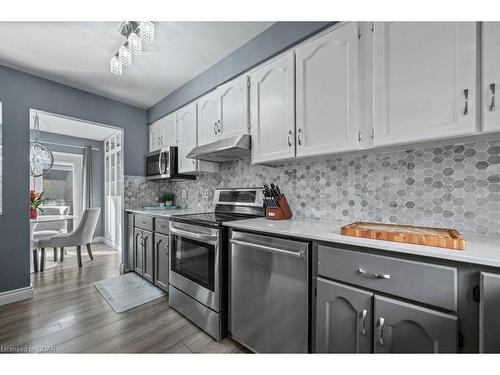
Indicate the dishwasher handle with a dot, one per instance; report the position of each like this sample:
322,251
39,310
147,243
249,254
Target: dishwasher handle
269,249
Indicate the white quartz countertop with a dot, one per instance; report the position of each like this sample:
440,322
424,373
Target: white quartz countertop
483,250
166,212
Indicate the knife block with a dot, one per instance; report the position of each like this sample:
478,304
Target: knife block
282,212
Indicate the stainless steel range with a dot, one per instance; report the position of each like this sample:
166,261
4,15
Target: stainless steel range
199,258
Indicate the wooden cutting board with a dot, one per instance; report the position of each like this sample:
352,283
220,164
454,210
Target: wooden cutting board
438,237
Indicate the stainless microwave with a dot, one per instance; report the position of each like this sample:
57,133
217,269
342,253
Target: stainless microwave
163,164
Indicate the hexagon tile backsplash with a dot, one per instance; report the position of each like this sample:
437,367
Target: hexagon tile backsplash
455,186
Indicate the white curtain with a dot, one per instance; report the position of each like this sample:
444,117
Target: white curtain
87,177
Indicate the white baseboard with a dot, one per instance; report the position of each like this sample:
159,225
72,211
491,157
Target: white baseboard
16,295
108,242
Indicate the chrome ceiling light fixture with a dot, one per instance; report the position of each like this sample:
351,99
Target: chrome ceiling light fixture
125,55
116,65
41,158
135,34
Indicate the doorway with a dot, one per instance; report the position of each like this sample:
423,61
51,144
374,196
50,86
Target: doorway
71,140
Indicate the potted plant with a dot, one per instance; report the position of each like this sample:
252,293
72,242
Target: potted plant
168,198
161,201
36,199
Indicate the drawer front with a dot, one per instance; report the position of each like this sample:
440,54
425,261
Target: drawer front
161,226
426,283
144,222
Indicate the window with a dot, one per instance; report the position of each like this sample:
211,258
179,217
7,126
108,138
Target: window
62,185
57,186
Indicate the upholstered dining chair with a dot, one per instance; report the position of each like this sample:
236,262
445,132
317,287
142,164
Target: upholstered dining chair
45,230
82,235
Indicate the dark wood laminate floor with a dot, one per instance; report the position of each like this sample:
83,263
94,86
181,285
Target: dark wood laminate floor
68,315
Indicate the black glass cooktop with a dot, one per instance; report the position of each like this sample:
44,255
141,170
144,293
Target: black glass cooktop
210,218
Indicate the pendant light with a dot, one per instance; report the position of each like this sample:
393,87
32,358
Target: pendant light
41,158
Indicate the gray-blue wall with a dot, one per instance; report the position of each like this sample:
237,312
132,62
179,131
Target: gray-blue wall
272,41
97,164
19,92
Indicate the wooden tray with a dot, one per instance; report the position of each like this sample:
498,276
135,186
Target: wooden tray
438,237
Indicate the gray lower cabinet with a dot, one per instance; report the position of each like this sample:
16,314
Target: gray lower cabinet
343,318
489,313
148,255
161,244
406,328
138,251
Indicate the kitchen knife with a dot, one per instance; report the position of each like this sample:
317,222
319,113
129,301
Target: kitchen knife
274,191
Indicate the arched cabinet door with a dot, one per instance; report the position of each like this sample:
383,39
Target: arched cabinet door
491,76
233,108
272,110
207,118
327,93
343,318
401,327
187,138
489,313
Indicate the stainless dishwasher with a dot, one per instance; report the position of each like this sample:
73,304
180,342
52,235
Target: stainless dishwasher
269,298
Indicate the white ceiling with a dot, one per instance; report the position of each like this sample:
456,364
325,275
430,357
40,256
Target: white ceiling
78,53
66,126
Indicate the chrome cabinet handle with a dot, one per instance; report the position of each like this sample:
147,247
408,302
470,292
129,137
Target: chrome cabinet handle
269,249
466,108
493,91
380,325
374,275
218,126
289,138
364,313
215,128
299,138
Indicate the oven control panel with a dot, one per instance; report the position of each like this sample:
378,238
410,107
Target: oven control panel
251,197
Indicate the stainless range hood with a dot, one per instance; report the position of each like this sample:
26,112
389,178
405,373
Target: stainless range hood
223,150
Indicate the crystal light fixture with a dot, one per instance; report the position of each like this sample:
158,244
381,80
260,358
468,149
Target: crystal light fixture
135,43
135,33
41,159
125,55
147,31
116,65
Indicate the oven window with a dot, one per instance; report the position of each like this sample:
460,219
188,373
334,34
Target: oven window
194,260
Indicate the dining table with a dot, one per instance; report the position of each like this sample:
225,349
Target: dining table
48,219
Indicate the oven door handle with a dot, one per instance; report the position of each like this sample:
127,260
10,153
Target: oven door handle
194,235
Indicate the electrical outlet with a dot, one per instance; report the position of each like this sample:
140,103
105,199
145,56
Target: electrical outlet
206,193
184,193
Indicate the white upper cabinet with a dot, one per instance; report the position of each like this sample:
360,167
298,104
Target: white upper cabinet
207,118
491,76
155,137
233,108
186,118
169,126
272,110
188,139
424,81
327,93
163,132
